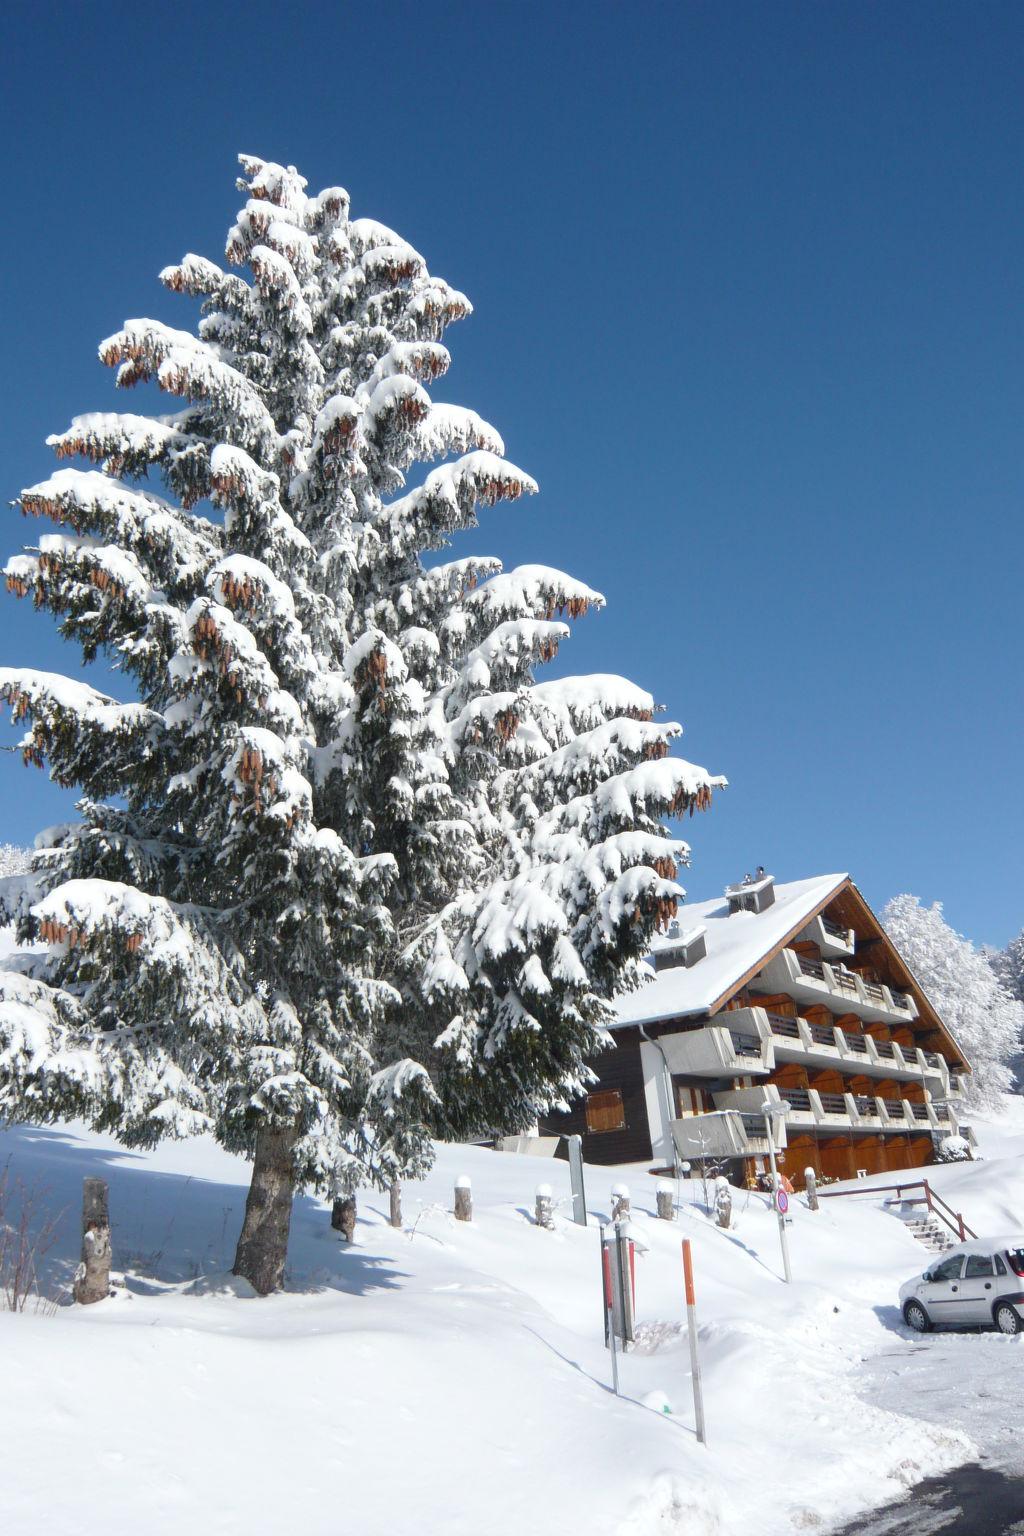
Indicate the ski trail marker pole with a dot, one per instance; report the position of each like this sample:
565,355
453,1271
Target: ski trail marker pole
609,1306
691,1328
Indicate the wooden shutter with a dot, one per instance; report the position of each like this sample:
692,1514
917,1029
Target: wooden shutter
604,1112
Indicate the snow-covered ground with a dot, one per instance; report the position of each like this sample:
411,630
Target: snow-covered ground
451,1378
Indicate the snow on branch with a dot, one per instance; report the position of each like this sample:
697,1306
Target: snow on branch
74,723
183,365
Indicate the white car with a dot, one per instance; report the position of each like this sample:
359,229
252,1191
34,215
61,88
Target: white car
978,1284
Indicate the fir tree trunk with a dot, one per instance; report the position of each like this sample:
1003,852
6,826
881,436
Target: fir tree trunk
263,1244
343,1216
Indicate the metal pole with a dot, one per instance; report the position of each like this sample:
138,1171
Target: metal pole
608,1294
691,1328
615,1353
784,1241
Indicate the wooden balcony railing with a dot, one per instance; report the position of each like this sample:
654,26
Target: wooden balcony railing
797,1098
821,1034
780,1025
856,1043
833,1103
745,1045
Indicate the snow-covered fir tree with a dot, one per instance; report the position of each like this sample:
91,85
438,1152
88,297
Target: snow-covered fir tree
984,1017
1008,965
344,875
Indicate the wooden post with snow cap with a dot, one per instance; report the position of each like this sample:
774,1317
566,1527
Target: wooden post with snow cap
811,1185
620,1202
691,1328
666,1200
92,1279
463,1198
395,1204
545,1209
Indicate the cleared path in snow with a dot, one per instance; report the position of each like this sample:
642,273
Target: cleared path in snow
974,1382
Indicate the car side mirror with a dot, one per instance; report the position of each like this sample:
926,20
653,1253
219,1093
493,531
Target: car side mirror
927,1275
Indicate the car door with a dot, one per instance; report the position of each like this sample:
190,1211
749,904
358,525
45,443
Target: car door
942,1295
978,1287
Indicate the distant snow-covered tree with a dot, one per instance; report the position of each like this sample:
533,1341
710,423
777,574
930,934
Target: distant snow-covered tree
14,860
344,875
1008,965
959,980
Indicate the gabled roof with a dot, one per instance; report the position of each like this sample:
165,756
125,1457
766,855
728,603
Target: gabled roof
738,944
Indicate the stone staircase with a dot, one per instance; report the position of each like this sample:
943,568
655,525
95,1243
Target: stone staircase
928,1231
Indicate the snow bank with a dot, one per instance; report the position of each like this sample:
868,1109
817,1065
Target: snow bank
449,1378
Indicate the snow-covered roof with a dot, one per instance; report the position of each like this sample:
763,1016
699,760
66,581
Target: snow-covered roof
737,942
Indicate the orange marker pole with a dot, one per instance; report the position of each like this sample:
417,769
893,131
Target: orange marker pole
691,1327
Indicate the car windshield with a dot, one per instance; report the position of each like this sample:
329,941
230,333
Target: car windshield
1016,1258
949,1269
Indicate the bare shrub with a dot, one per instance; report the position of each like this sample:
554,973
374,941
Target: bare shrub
27,1233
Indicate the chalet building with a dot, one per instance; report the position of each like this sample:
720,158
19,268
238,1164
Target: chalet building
776,992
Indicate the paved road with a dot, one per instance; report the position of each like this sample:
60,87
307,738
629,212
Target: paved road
973,1382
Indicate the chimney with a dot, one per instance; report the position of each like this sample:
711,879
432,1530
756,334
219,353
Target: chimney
754,893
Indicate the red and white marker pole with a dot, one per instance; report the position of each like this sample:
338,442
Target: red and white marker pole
691,1327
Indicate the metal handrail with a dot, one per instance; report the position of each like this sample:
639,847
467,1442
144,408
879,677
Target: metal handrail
934,1202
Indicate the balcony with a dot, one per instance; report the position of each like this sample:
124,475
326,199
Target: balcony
831,938
722,1133
740,1047
800,1040
816,981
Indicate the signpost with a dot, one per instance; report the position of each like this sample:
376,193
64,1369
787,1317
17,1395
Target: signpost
618,1289
773,1111
579,1194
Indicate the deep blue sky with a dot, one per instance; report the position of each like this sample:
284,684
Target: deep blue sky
748,283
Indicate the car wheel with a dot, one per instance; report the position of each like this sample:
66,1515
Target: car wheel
915,1316
1007,1318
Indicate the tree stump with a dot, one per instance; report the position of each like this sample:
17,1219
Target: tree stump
463,1198
92,1278
395,1204
620,1202
343,1216
723,1203
811,1185
666,1202
545,1208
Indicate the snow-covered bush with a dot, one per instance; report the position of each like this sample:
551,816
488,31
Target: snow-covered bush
953,1149
959,981
345,875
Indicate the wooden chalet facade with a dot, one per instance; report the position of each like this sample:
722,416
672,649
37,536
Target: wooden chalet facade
789,993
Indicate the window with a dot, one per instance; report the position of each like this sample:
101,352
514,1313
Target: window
1000,1266
978,1268
604,1112
949,1269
